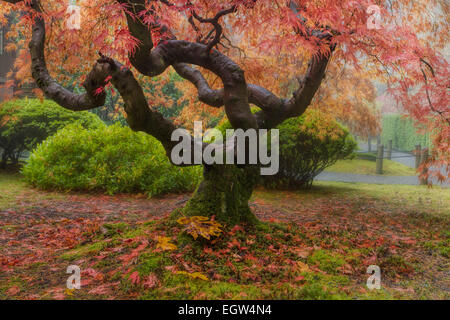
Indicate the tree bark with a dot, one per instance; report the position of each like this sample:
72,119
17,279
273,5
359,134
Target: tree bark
224,193
4,160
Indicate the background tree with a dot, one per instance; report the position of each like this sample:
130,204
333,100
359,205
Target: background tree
254,48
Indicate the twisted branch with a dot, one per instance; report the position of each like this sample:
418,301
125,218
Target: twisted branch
139,115
215,22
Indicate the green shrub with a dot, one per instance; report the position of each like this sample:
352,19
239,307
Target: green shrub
26,122
308,144
403,133
113,159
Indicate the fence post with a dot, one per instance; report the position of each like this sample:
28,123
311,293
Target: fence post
369,143
418,155
389,150
425,170
380,155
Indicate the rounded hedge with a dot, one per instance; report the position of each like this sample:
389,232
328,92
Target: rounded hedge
308,144
26,122
112,159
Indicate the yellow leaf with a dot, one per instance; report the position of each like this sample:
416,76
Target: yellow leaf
69,292
194,275
302,267
165,244
200,226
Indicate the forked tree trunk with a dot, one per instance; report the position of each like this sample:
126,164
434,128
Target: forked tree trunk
224,193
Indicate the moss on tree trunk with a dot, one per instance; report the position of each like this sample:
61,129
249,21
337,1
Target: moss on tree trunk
224,193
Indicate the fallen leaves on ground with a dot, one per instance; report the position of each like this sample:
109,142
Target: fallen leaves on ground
126,251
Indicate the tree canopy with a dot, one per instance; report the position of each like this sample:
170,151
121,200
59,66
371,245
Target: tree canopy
273,54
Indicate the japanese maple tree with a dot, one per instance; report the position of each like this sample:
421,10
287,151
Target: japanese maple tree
237,53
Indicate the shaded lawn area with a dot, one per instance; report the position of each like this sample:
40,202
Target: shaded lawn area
360,166
311,245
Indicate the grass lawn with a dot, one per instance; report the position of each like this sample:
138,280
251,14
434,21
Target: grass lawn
310,245
359,166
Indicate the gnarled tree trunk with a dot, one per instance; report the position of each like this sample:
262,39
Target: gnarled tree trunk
224,193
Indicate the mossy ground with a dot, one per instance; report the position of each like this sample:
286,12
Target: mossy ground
309,245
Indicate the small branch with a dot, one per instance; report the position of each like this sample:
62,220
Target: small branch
215,22
324,31
441,113
428,65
